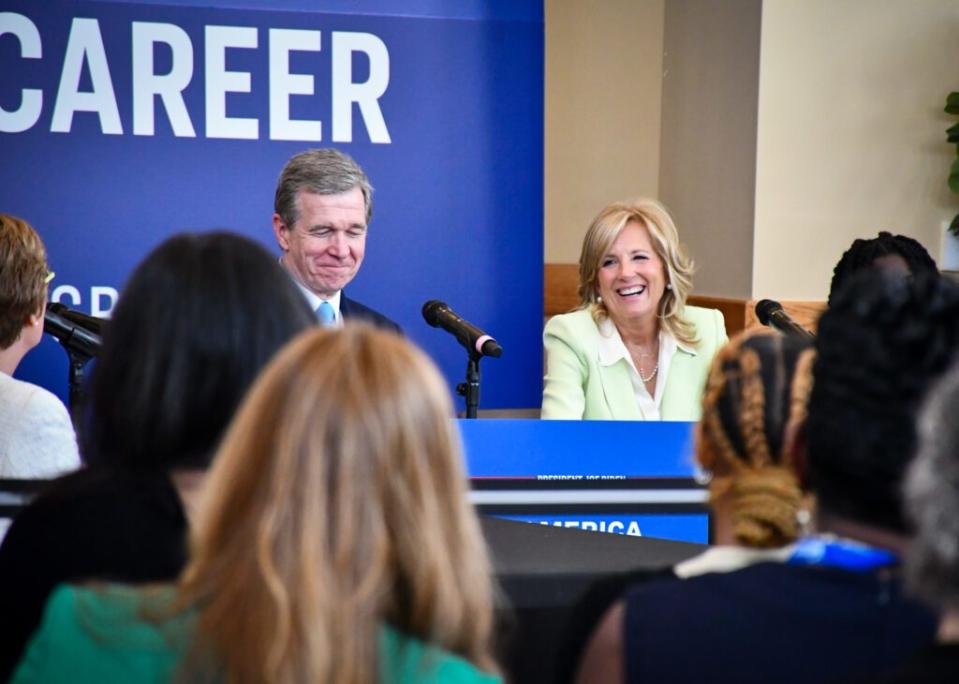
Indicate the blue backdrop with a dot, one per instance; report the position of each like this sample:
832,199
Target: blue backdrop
458,185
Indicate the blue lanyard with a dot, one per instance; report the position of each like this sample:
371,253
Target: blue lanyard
840,553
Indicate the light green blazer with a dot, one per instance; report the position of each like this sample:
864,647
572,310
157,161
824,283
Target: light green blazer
578,387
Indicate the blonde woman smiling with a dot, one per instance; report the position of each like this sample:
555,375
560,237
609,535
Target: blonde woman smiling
633,350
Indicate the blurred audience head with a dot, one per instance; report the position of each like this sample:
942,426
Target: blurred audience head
932,499
599,239
23,283
881,344
896,254
754,404
336,504
195,323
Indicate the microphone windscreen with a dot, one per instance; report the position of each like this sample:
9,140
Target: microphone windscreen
766,308
431,312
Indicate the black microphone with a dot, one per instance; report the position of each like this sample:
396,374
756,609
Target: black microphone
90,323
439,315
71,335
772,314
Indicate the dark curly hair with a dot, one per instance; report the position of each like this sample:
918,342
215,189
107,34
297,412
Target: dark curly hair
864,253
880,346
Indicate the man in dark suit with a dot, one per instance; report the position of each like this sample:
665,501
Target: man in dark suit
322,208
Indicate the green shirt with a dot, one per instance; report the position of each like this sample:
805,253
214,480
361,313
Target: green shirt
100,636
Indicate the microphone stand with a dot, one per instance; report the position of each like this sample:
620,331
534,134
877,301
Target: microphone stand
470,390
78,362
80,344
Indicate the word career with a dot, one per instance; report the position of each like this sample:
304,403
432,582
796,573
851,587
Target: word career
84,61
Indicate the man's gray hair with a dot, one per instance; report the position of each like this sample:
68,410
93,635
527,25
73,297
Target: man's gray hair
932,499
324,171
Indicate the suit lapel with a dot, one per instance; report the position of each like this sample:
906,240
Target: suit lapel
346,307
618,391
682,382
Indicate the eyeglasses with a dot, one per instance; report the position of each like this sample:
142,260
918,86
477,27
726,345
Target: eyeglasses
50,276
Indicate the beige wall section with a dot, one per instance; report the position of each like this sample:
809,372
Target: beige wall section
602,112
851,133
708,154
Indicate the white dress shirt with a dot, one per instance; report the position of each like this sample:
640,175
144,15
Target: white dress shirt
612,349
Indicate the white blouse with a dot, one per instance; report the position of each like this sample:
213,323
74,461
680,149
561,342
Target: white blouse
612,349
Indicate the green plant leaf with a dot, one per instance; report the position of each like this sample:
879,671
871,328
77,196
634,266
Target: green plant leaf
954,226
952,133
954,177
952,103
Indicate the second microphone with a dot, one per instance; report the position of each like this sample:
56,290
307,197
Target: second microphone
439,315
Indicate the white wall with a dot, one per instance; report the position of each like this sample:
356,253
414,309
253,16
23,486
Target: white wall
851,133
603,107
847,129
708,160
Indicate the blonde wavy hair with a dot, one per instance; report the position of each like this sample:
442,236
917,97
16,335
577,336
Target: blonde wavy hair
336,504
756,394
602,233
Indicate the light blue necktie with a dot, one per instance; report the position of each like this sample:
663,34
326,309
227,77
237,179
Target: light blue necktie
326,314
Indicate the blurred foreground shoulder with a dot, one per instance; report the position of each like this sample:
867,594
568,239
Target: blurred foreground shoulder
603,659
406,660
96,635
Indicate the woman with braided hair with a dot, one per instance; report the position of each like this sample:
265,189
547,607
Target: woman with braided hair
836,604
752,410
755,401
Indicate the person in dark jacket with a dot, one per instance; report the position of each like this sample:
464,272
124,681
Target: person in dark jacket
322,210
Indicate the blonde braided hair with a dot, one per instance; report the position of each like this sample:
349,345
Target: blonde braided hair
756,390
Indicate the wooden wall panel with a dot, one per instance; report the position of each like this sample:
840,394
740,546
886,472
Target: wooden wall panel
733,310
559,288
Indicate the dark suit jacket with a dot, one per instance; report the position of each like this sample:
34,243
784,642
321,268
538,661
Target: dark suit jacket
351,309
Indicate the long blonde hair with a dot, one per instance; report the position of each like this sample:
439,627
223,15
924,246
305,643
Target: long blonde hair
654,217
337,503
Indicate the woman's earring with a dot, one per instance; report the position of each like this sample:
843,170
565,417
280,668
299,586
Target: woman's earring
669,286
701,476
804,522
599,299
